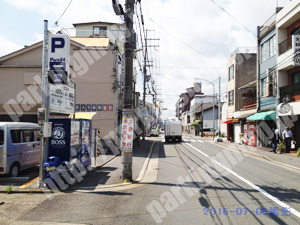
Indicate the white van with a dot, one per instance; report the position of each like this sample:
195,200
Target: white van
19,147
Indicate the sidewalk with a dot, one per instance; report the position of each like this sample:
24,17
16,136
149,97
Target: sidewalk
288,159
108,173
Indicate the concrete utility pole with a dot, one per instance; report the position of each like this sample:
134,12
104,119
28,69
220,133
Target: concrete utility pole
126,157
45,103
219,106
145,77
202,135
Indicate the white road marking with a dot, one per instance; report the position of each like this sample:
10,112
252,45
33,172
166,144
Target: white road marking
185,140
192,140
200,141
274,199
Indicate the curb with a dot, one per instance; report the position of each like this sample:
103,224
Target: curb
45,190
145,166
139,178
257,155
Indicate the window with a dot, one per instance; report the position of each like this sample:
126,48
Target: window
100,31
296,78
231,72
263,87
231,98
1,137
16,136
272,46
268,49
28,135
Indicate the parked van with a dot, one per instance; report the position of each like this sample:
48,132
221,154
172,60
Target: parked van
19,147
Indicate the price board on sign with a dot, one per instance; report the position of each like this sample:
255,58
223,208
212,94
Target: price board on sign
127,134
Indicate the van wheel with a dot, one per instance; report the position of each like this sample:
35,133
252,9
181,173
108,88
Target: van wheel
14,170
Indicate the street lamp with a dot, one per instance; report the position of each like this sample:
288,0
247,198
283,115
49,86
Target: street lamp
213,106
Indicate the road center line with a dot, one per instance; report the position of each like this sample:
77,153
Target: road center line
200,141
274,199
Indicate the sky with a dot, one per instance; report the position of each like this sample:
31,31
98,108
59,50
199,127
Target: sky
196,38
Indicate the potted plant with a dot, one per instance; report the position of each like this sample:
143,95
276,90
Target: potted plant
280,148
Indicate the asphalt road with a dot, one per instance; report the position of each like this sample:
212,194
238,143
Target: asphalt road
197,183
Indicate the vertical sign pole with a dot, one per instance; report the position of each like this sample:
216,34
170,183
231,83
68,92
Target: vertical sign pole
45,103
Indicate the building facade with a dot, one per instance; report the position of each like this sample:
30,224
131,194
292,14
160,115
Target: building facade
96,68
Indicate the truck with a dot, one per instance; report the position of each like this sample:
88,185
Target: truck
173,131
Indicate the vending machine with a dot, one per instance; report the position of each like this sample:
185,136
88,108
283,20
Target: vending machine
252,135
70,141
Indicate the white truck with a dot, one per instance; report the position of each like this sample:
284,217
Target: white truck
173,131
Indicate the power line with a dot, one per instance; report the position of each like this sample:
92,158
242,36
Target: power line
232,17
186,43
56,22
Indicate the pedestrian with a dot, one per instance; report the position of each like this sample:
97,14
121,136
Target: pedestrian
287,137
276,139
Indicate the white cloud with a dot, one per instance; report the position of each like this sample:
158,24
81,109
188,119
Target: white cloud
38,36
7,46
199,24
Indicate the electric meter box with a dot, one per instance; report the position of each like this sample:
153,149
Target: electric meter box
47,129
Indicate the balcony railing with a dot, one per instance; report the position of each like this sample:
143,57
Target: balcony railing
249,103
285,45
290,93
268,23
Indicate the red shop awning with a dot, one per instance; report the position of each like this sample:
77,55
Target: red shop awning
227,121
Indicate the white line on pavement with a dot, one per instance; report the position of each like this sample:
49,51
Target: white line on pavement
274,199
201,141
185,140
192,140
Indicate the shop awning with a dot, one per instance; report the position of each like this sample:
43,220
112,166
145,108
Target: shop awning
83,115
269,115
227,121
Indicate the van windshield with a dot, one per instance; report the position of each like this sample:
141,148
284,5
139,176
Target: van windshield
1,137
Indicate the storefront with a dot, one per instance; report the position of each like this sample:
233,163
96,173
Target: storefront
230,130
261,127
241,133
291,118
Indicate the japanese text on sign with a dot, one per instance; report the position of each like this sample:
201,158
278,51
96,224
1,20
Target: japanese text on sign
127,134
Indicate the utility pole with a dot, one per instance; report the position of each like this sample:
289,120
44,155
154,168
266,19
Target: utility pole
219,106
202,135
45,103
145,77
145,74
214,115
126,157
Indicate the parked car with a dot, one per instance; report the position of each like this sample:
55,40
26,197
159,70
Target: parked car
154,133
19,147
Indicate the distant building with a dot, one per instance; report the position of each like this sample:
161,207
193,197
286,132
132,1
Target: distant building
241,91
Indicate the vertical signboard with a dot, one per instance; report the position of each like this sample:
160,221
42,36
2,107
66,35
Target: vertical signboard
61,93
127,135
59,53
296,48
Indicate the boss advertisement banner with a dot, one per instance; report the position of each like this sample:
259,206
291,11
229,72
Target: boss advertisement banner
59,143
